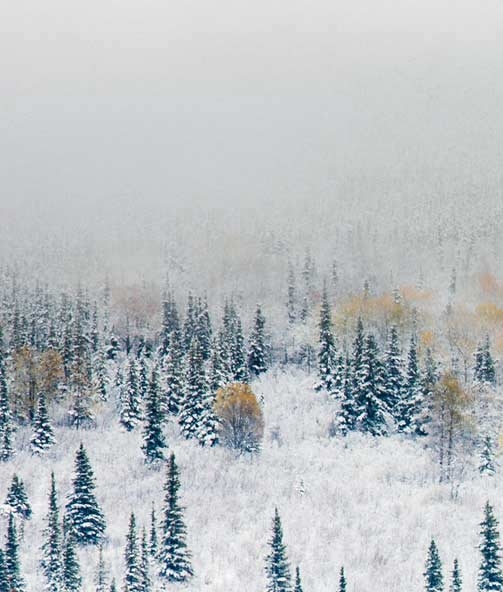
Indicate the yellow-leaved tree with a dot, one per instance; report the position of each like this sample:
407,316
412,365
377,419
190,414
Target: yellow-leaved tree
240,418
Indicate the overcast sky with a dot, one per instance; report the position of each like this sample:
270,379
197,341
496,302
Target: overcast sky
227,101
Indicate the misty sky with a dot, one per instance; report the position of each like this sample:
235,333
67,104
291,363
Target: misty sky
225,102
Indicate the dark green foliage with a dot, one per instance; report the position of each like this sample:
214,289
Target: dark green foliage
487,464
43,434
490,576
72,580
101,573
277,566
456,581
298,581
174,556
130,413
17,498
145,581
153,438
4,579
328,368
484,371
12,563
342,581
6,425
433,570
85,518
170,324
411,409
394,371
173,373
154,542
51,563
132,573
258,351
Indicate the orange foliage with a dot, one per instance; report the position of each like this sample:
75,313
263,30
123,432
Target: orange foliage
490,313
489,284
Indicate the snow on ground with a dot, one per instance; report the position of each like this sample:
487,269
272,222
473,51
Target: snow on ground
371,505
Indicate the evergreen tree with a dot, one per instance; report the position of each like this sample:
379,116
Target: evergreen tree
43,434
6,425
174,557
130,413
277,566
490,576
203,328
85,518
132,575
291,302
4,578
17,499
487,464
370,404
154,543
342,581
484,371
258,351
394,372
173,374
101,573
170,324
153,437
145,581
72,580
456,581
348,410
113,587
433,570
143,379
51,563
298,581
411,409
238,365
327,353
81,415
12,563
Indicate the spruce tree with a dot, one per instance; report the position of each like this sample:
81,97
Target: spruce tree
174,556
348,411
487,464
173,374
258,350
327,353
411,409
433,570
4,578
203,328
113,587
456,581
130,412
132,574
145,581
291,302
85,518
342,581
298,581
43,434
72,580
12,562
277,566
153,438
17,499
51,563
6,424
394,372
154,543
490,575
101,573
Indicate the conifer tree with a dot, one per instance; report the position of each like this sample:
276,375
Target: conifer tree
277,566
17,499
6,425
456,581
370,404
153,437
51,563
490,575
170,324
348,410
189,324
203,328
327,353
298,581
12,562
4,579
291,302
487,464
411,409
484,371
394,372
130,413
173,376
433,570
174,556
132,574
101,573
342,581
145,581
154,543
258,350
113,587
72,580
85,518
43,434
143,378
238,365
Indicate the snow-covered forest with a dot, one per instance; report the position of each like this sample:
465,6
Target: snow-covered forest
251,296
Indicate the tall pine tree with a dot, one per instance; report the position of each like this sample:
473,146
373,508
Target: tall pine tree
433,570
277,566
490,575
153,437
43,434
258,349
52,564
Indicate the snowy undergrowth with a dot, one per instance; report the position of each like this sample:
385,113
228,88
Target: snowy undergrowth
369,504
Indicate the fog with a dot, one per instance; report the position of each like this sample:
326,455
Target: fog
129,129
